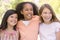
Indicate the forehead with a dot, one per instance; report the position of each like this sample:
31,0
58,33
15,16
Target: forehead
46,9
13,14
27,5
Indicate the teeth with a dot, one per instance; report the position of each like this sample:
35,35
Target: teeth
29,15
47,18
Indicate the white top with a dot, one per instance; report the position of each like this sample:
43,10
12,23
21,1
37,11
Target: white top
26,22
48,31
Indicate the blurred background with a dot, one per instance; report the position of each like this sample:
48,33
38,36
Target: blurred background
10,4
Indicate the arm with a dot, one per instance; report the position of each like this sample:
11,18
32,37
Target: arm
58,36
18,35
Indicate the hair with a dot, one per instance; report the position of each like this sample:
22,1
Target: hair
54,18
20,7
5,17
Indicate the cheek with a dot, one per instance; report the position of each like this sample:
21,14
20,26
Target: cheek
16,20
42,15
23,12
8,20
50,15
32,13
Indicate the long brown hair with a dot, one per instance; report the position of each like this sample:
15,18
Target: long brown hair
54,18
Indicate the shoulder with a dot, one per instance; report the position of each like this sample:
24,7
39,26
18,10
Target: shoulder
17,33
56,23
1,33
19,22
41,24
35,17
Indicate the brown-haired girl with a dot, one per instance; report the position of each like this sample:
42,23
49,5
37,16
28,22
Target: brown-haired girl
50,26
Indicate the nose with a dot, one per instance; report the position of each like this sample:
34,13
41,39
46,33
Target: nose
48,14
14,18
30,12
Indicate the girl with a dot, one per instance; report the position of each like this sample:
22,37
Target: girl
49,28
8,26
28,23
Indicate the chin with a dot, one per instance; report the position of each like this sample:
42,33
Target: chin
13,24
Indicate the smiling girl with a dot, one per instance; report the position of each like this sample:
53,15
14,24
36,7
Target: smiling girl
50,26
8,26
28,23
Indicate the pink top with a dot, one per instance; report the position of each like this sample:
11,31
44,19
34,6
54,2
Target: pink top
31,31
9,36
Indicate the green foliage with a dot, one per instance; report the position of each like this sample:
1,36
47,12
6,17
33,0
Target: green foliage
54,3
12,3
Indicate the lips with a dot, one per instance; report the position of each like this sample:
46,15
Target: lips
47,18
29,15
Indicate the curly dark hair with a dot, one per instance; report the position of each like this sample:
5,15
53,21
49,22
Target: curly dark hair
20,7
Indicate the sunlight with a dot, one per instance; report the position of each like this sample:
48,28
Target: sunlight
37,2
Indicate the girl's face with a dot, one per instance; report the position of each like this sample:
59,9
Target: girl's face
46,15
27,11
12,20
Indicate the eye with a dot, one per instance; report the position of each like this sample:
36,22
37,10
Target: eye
11,16
26,9
31,9
16,17
45,12
50,12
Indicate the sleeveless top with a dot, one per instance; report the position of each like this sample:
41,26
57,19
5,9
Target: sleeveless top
9,36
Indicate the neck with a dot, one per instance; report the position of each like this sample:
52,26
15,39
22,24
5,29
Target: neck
47,22
27,19
9,28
